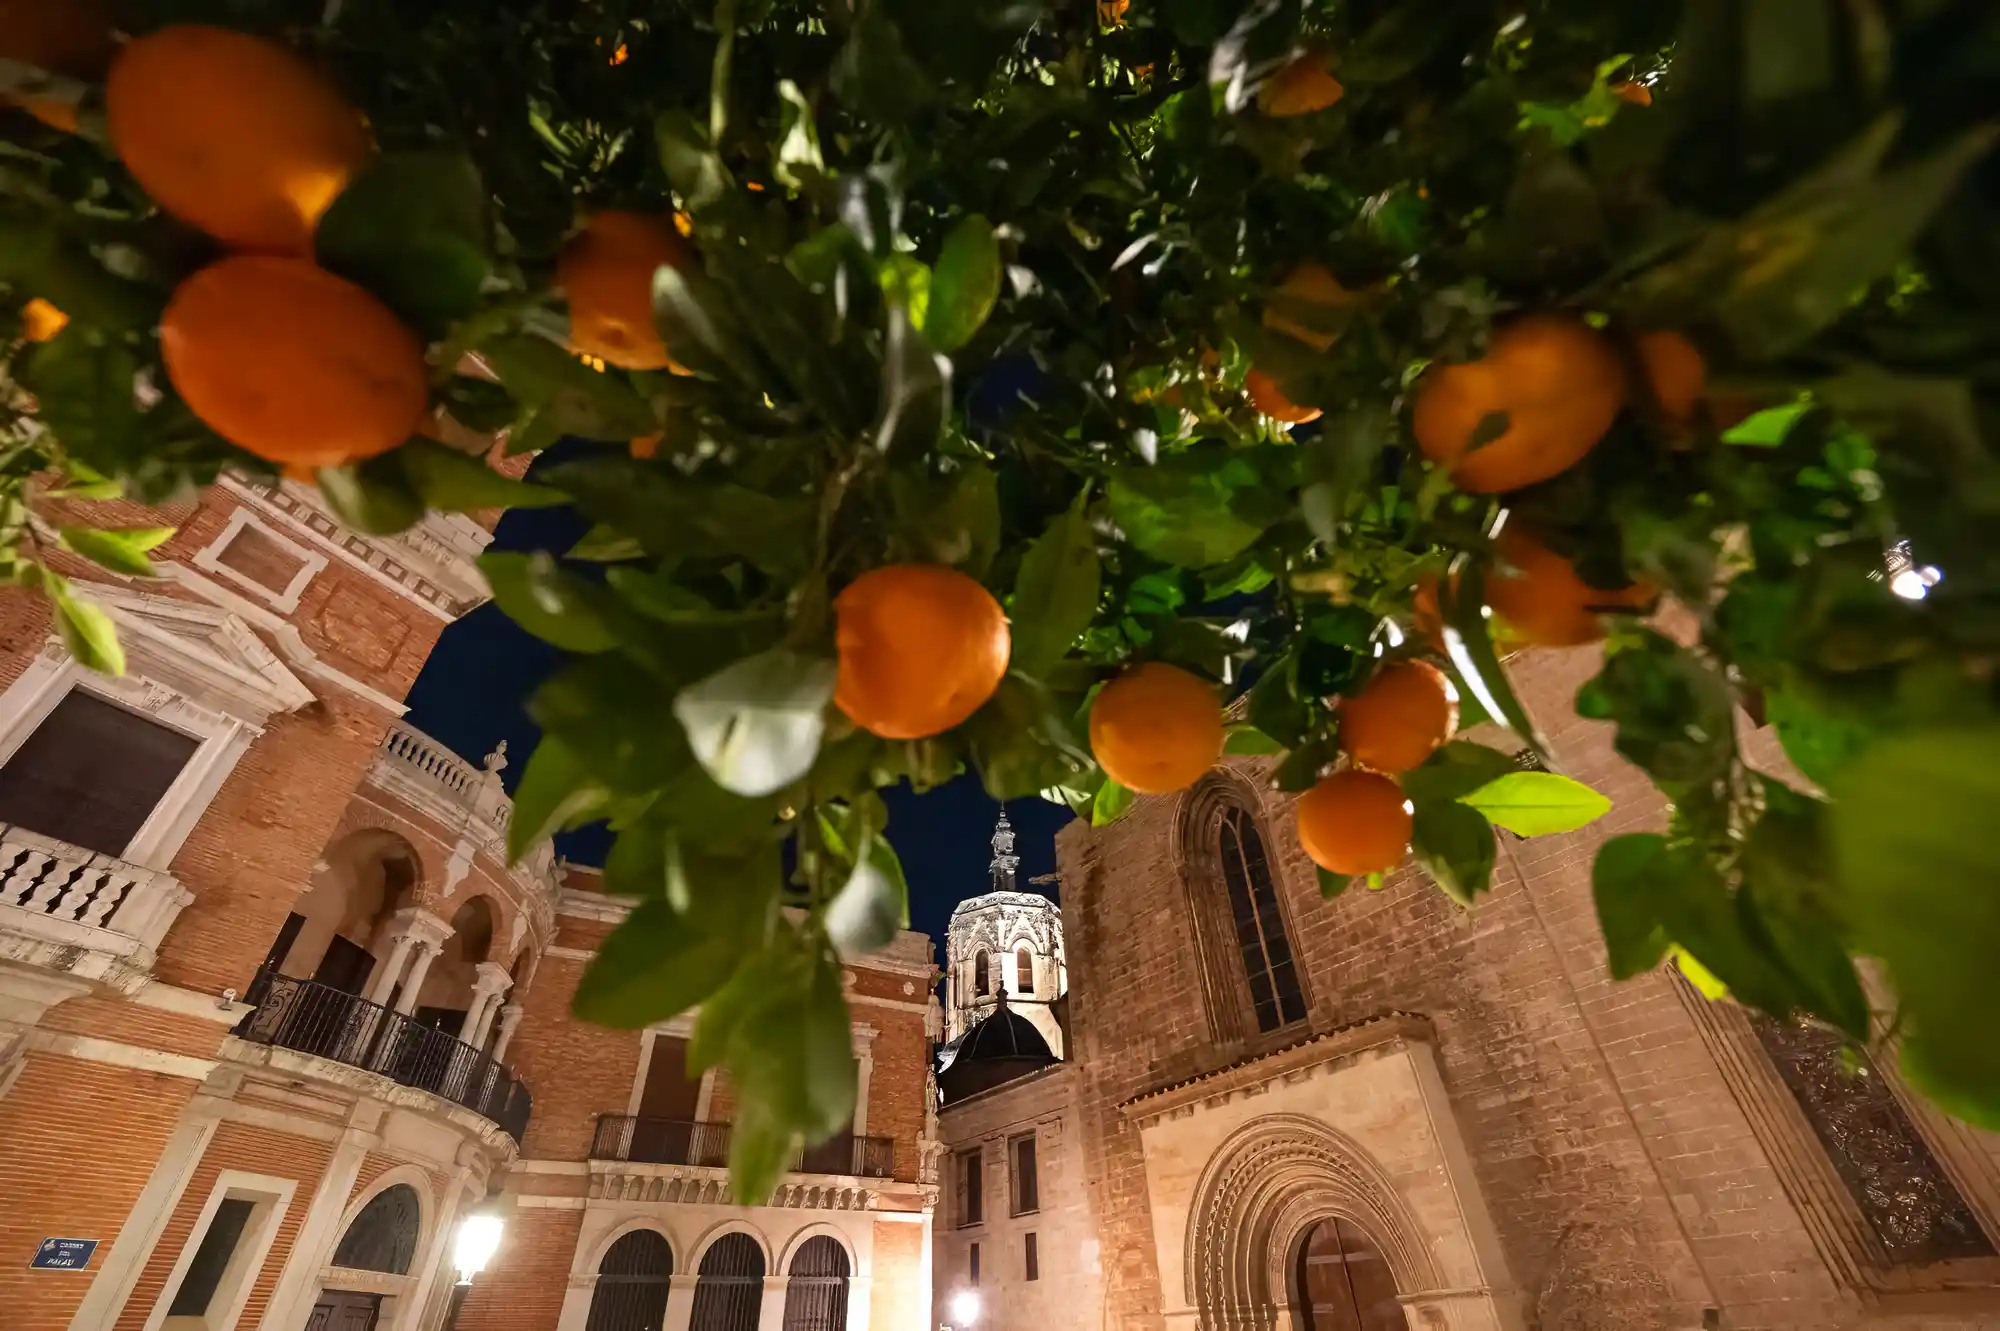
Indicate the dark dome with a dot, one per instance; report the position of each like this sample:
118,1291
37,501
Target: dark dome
1000,1048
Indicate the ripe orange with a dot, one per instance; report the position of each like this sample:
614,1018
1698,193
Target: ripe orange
292,363
1560,385
1300,88
646,445
1638,94
606,269
1156,728
233,134
1111,13
1537,592
71,38
1267,397
921,648
1313,283
41,321
1355,822
1676,371
1400,716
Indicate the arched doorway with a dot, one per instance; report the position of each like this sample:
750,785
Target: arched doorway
816,1294
384,1235
730,1292
632,1283
334,935
1342,1282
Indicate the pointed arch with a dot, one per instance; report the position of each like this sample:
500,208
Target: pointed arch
1238,910
1259,1197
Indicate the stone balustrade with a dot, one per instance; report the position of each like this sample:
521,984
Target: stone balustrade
413,755
82,911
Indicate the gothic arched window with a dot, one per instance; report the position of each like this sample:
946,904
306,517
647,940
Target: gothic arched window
1250,975
816,1294
980,974
1024,971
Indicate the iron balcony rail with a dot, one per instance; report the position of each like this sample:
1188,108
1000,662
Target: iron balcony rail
318,1019
672,1141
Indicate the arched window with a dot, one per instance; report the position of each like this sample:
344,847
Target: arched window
980,969
384,1236
632,1283
1344,1283
1024,971
816,1294
731,1288
1249,974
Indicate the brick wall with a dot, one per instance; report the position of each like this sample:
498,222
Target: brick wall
61,1111
896,1298
523,1288
575,1070
253,1150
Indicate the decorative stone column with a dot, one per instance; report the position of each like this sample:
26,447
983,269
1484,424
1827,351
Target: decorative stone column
410,929
385,979
510,1020
488,989
427,952
771,1313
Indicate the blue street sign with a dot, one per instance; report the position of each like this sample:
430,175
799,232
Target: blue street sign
63,1255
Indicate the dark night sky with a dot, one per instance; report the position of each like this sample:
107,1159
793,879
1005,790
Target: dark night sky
473,691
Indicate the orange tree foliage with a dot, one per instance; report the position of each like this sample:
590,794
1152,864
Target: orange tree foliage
981,285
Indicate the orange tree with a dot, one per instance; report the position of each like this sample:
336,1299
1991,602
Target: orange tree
1000,348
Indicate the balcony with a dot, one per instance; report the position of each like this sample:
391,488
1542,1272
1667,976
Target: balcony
330,1023
667,1141
74,910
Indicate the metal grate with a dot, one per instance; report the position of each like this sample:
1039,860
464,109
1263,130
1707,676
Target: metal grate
331,1023
1915,1212
632,1284
384,1236
816,1294
730,1292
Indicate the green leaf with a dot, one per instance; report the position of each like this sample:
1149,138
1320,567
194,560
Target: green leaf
1818,742
1456,846
674,516
560,395
1331,884
87,631
692,168
1537,803
1913,843
906,281
797,162
964,285
605,544
412,229
83,393
1629,881
1112,803
456,482
1469,643
755,726
122,550
1675,714
1767,428
1056,591
654,966
874,902
1245,740
1454,769
916,391
374,497
702,328
555,605
557,791
1186,511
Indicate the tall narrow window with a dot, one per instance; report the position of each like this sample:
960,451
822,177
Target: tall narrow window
972,1265
633,1279
971,1180
1275,996
729,1288
1909,1202
1032,1259
1024,971
816,1294
1027,1185
980,974
211,1257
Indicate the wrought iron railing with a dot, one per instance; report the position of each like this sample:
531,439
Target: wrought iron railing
672,1141
318,1019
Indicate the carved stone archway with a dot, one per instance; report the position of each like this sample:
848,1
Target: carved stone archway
1268,1184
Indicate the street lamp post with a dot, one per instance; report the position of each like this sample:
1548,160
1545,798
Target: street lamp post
471,1249
964,1311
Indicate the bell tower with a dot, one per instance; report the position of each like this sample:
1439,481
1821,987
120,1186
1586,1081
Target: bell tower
1005,946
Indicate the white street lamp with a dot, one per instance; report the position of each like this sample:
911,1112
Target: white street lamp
472,1247
965,1308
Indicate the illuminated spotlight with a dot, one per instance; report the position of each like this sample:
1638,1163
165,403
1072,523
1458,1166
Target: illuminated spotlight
964,1308
1914,584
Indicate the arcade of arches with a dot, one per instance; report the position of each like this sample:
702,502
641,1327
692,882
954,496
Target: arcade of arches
636,1287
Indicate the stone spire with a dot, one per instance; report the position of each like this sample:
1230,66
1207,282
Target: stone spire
1005,861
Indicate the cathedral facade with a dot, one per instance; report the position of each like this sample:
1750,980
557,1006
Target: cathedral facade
1383,1112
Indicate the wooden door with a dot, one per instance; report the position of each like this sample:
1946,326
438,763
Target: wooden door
1344,1282
344,1310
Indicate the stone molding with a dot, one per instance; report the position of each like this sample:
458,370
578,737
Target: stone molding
702,1185
1316,1055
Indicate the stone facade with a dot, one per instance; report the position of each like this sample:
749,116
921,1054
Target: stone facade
1523,1142
275,1011
1006,946
1039,1110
